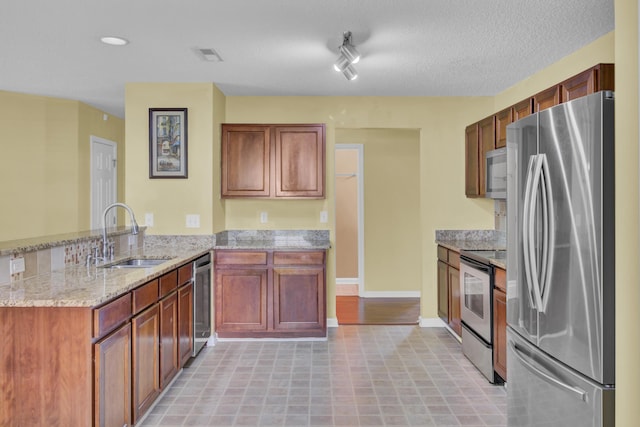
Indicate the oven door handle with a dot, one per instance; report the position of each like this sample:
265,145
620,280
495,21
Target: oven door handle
475,264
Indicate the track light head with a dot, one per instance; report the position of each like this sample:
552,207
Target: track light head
348,56
350,73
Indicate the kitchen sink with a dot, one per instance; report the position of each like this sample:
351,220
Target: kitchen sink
137,263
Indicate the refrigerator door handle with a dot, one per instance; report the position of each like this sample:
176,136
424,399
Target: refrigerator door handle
530,249
548,252
527,228
581,394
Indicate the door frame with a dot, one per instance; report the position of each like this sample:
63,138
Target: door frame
114,146
360,205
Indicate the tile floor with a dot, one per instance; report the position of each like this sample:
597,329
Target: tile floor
360,376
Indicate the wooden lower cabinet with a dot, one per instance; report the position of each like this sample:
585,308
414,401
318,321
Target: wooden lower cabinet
298,298
443,291
112,364
185,323
270,293
100,366
145,360
449,288
455,320
169,362
241,300
500,324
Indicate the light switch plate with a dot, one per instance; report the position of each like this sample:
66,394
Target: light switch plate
193,221
148,219
264,217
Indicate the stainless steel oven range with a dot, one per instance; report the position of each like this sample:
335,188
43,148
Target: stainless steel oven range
476,311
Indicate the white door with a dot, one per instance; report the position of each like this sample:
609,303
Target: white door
349,220
103,180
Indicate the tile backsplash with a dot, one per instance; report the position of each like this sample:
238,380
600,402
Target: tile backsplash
43,260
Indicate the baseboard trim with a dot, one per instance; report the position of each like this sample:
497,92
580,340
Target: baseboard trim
391,294
332,322
433,322
347,281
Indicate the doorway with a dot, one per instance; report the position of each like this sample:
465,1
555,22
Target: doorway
349,220
104,174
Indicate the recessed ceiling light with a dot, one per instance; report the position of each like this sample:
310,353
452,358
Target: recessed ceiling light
114,41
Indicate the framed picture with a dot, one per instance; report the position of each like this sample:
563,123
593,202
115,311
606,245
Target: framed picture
167,143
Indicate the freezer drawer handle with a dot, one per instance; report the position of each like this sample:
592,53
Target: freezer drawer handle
548,378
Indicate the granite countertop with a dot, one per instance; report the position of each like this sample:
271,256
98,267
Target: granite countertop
273,240
474,240
81,286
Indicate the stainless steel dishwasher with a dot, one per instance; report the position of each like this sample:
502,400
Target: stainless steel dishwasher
202,302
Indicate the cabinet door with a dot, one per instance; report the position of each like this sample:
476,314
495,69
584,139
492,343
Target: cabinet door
146,360
241,300
580,85
246,162
503,118
299,161
454,300
298,299
487,134
522,109
185,322
500,333
169,362
443,292
472,161
547,98
112,367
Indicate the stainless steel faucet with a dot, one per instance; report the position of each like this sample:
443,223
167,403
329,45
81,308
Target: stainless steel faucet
132,218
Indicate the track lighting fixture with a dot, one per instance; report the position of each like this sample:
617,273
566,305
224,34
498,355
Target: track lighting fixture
348,56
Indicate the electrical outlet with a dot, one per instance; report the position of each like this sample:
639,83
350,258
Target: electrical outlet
324,217
264,217
193,221
16,265
148,219
132,240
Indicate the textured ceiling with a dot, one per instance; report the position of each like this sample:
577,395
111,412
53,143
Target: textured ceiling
287,47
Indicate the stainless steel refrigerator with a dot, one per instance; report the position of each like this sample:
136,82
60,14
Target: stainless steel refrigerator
560,265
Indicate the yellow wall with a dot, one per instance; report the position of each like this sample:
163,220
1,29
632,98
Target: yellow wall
627,192
170,200
46,175
441,122
391,207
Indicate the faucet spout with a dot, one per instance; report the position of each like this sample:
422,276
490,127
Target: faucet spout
134,225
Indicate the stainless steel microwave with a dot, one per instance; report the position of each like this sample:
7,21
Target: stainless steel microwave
496,170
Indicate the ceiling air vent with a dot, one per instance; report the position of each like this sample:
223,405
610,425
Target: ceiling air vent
209,55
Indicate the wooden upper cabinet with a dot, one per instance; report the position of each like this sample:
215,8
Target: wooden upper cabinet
273,161
246,152
472,161
503,118
547,98
487,135
522,109
590,81
299,161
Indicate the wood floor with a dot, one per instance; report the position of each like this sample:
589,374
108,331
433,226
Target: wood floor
353,310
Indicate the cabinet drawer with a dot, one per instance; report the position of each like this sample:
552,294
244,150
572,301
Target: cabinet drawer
299,258
144,296
241,257
454,259
501,279
443,254
110,315
168,283
185,273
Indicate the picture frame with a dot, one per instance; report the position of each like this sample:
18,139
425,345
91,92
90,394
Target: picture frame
168,143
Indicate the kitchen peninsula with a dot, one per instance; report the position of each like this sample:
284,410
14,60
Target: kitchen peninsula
92,345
